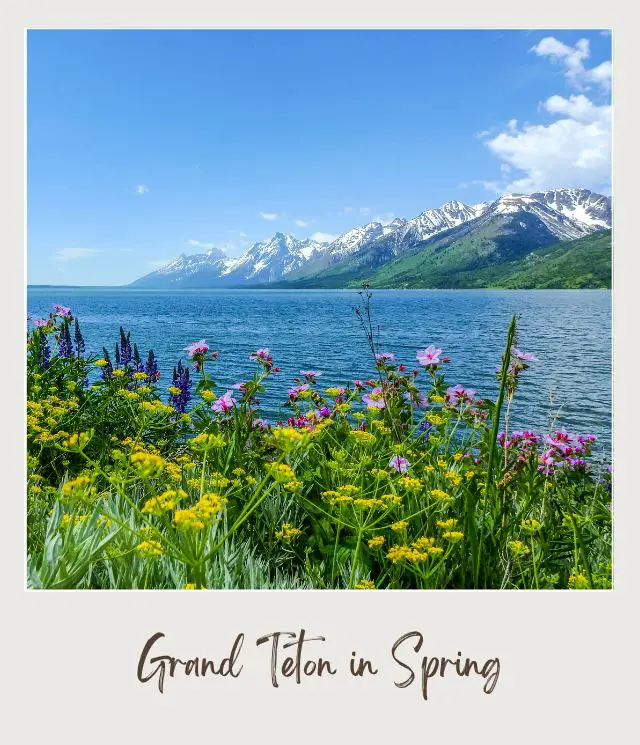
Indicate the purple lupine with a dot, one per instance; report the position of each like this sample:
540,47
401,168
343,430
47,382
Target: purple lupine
181,380
125,347
44,352
65,347
116,354
78,338
136,359
151,367
108,368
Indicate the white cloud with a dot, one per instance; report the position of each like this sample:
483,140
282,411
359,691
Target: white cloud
301,223
200,244
364,211
347,210
142,189
574,150
70,254
269,215
242,235
572,58
323,237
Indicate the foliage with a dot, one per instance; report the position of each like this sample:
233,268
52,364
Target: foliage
400,481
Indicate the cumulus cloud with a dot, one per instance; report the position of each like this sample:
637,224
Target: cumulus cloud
575,148
323,237
142,189
70,254
573,58
269,215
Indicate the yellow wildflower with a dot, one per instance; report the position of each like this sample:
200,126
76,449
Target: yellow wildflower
147,464
361,436
163,502
288,533
366,584
379,473
118,373
518,548
150,549
101,363
208,396
399,526
441,496
281,472
139,376
453,535
446,524
376,542
411,484
531,526
578,581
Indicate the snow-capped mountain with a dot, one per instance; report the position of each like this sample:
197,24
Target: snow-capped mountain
557,215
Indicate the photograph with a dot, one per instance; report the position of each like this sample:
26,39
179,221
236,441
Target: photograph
318,309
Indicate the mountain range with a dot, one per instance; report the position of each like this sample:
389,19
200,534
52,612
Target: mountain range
455,245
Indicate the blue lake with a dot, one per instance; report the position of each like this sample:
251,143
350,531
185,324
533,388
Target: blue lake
569,330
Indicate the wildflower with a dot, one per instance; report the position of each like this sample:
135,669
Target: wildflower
310,374
78,338
578,581
44,353
298,391
40,323
441,496
376,542
531,526
288,438
62,311
182,384
399,526
139,376
435,419
101,363
410,484
288,533
150,549
334,391
65,348
163,502
446,524
281,472
397,554
365,584
197,349
417,399
361,436
374,400
379,473
151,367
369,503
206,441
201,514
76,441
384,357
453,535
125,347
224,404
518,548
207,395
190,586
458,395
71,520
429,356
400,464
524,356
147,464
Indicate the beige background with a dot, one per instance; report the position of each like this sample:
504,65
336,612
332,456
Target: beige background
569,662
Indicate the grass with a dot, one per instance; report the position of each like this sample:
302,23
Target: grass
399,482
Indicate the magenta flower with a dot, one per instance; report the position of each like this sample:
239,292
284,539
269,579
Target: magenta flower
62,310
429,356
358,383
261,354
525,356
311,374
239,386
296,390
459,395
224,404
374,400
197,349
399,463
40,322
385,357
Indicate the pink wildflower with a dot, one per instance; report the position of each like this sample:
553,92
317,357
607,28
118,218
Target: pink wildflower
400,464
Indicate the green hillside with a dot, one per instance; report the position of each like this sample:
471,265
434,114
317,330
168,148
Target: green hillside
499,260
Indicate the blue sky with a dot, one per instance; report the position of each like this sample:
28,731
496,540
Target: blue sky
146,144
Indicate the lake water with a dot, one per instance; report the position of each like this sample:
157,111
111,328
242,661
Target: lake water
569,330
